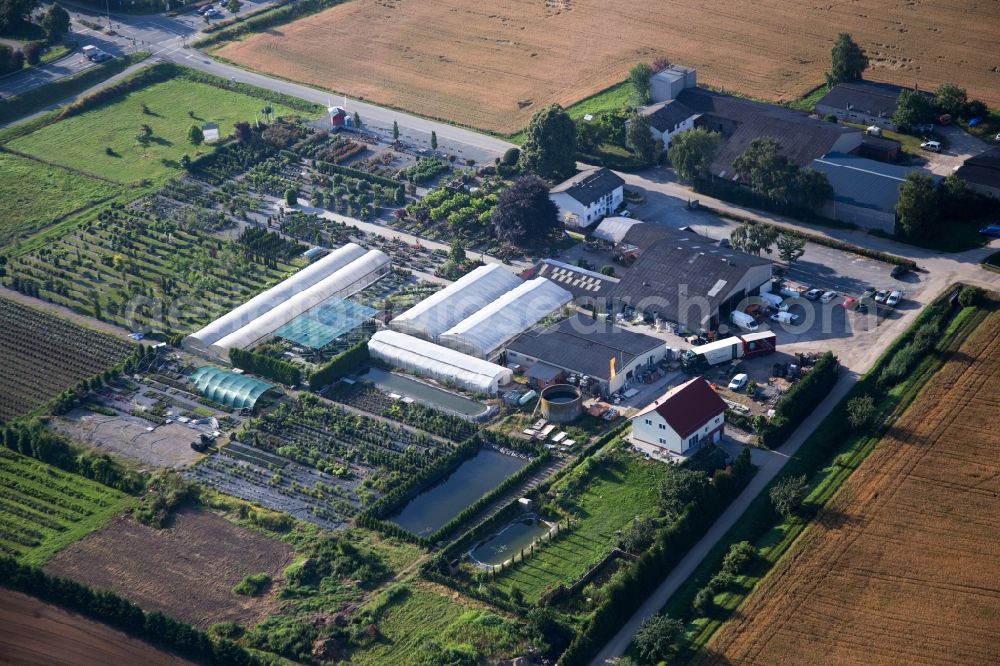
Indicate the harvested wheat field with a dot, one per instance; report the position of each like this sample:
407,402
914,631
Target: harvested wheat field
34,633
187,570
490,65
902,566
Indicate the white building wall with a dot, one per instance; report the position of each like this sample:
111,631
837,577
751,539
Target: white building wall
652,429
574,214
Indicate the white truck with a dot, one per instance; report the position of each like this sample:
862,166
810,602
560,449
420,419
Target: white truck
747,345
743,321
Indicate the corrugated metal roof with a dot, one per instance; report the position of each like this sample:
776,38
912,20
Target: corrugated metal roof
864,183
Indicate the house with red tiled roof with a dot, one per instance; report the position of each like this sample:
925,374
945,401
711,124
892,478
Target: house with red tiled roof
682,419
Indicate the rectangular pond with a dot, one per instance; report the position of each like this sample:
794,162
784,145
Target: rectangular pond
423,393
510,540
432,509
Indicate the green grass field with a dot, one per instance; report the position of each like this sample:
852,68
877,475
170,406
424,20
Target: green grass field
82,141
420,622
43,509
626,488
35,194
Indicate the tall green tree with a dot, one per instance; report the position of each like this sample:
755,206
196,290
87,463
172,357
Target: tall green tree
395,131
791,247
691,153
549,148
655,638
55,22
434,140
912,109
234,6
949,98
917,207
15,13
195,135
357,120
638,77
847,61
753,238
640,139
812,189
525,216
787,495
764,169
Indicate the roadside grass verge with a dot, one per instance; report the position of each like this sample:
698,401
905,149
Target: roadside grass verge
104,140
38,98
44,509
828,459
36,194
623,488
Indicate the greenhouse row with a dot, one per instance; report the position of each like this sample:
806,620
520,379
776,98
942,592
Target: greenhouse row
439,363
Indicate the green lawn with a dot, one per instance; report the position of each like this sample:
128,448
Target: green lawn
35,194
43,509
615,98
82,141
419,622
808,101
625,488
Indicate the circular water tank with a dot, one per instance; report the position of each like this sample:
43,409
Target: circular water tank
561,403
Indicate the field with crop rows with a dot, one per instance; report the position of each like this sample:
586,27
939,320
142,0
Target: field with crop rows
43,355
156,265
35,194
43,509
900,567
491,66
83,142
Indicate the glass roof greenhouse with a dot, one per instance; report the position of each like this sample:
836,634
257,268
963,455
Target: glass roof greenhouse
325,323
228,388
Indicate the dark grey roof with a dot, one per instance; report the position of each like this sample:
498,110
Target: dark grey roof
868,97
543,372
665,116
644,235
689,266
862,182
589,186
577,281
982,169
880,143
584,345
802,137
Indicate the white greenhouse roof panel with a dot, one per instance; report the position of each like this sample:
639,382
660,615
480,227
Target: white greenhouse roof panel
275,296
440,311
439,363
488,330
349,280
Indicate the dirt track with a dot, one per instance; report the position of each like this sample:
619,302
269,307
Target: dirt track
34,633
491,65
186,571
902,565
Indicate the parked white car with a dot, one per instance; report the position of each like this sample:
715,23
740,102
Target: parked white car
738,382
828,296
814,294
784,317
933,146
894,298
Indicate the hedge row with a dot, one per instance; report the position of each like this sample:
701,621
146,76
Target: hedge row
36,441
157,73
266,366
339,365
109,608
331,169
626,594
800,401
283,14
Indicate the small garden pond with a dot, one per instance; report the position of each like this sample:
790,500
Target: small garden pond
510,540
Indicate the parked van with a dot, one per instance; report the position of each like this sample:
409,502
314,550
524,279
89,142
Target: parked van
743,321
933,146
774,301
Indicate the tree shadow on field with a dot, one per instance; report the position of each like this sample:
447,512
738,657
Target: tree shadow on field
160,141
274,33
833,519
171,164
710,656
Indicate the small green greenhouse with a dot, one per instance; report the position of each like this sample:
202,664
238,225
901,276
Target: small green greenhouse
229,388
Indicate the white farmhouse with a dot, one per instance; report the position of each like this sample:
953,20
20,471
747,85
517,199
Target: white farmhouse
668,119
588,197
682,419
